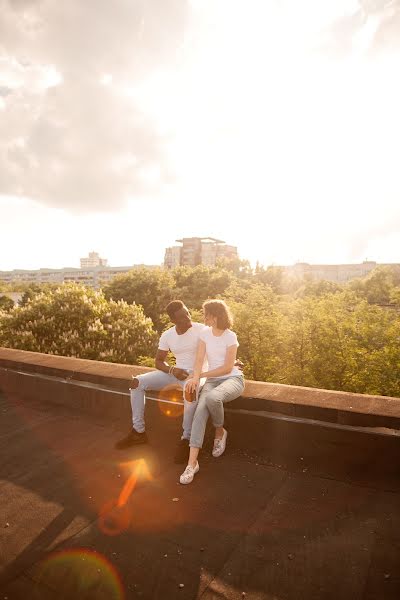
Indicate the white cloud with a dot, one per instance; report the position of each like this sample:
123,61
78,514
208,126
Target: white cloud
72,126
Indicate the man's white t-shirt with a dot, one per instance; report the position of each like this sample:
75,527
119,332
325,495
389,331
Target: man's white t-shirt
216,347
184,346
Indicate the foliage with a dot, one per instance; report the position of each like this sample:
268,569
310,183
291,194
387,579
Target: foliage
376,286
6,303
150,288
197,284
74,321
256,323
318,288
33,289
339,341
272,276
238,267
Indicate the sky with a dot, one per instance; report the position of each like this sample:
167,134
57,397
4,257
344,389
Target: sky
270,124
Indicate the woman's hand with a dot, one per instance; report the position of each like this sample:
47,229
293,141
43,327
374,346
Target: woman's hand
192,384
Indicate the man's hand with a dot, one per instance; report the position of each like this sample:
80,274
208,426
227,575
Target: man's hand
180,374
239,364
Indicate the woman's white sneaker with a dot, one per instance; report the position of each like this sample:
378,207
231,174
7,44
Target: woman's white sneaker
189,473
220,445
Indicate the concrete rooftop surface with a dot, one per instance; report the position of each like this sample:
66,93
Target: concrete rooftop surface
314,513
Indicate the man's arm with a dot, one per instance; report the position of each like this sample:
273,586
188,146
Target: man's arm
162,365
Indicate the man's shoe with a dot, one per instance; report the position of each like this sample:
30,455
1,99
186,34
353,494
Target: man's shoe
181,455
220,445
134,438
188,474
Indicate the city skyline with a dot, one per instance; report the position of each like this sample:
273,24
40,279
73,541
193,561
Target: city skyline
105,264
95,272
291,156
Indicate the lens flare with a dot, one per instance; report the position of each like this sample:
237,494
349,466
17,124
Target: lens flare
115,515
81,573
171,407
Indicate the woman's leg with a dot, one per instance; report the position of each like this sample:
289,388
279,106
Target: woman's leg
224,392
199,424
196,438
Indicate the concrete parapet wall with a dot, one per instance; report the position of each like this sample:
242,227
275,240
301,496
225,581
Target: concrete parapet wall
293,401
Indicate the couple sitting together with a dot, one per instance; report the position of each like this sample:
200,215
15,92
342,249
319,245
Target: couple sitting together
206,369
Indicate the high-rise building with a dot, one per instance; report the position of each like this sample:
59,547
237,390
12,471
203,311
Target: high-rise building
172,257
93,260
198,251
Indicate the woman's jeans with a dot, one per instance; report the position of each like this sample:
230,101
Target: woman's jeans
213,396
157,380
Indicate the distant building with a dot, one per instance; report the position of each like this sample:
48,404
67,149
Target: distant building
172,257
92,276
198,251
93,260
336,273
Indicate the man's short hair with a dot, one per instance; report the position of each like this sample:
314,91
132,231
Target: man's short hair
173,308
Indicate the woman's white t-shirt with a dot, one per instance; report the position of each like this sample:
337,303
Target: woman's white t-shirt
216,347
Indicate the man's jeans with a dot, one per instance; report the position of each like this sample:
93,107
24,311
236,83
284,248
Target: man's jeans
213,396
157,380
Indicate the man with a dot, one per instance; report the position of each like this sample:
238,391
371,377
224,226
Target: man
182,341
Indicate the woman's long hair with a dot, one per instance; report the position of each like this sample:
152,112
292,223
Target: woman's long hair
218,309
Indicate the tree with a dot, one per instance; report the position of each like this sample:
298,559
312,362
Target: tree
257,324
272,276
194,285
395,296
75,321
6,303
238,267
376,287
318,288
31,290
339,341
150,288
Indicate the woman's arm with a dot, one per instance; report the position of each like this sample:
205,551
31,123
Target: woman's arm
194,380
201,352
228,365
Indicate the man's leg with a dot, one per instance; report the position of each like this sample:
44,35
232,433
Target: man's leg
155,380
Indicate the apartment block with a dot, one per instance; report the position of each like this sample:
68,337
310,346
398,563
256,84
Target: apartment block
92,276
172,257
335,273
93,260
198,251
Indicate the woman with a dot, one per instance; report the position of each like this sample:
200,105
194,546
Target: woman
224,383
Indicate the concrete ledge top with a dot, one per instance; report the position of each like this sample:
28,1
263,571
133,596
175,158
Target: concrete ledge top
76,368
